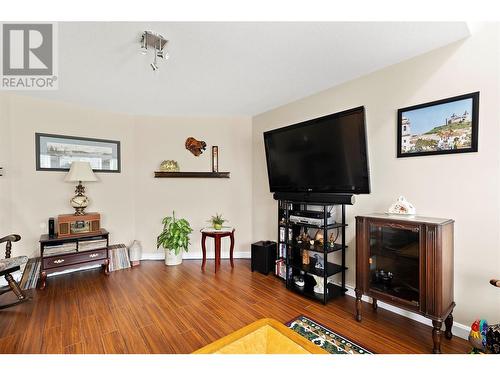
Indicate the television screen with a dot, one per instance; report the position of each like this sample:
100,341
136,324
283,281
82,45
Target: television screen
327,155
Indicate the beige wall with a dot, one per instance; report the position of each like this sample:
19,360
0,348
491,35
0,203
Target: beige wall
132,203
464,187
5,147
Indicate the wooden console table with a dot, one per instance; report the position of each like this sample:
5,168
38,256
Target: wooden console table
51,263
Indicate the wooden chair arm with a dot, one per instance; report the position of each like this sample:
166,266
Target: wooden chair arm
495,283
9,239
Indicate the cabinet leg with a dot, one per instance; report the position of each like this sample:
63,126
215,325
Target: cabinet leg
358,305
105,267
436,336
374,304
448,324
43,280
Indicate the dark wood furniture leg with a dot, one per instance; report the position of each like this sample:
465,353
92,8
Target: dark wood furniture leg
358,305
204,249
448,324
374,304
217,253
436,336
43,280
231,249
105,266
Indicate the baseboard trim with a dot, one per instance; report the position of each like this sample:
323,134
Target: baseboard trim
458,329
160,255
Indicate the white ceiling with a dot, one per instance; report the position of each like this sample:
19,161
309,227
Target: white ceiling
229,68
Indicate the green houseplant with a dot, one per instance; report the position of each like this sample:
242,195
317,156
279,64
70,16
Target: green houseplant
217,221
174,238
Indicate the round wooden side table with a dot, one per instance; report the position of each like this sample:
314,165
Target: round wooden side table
217,235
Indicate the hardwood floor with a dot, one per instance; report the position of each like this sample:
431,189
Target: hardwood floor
157,309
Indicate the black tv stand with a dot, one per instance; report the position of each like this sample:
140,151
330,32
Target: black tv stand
311,198
300,258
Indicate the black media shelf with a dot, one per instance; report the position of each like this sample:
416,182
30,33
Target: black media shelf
317,248
331,269
312,226
333,291
298,259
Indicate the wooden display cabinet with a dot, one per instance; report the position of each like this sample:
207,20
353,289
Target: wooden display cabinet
407,261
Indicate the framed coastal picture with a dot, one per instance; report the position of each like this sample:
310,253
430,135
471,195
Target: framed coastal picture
442,127
57,152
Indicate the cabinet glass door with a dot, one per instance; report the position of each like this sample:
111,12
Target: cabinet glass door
394,261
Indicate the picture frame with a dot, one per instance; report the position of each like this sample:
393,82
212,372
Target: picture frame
55,152
447,126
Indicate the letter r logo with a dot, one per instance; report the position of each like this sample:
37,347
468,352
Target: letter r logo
27,49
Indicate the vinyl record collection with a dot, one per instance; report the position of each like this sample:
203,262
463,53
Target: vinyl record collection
118,257
30,274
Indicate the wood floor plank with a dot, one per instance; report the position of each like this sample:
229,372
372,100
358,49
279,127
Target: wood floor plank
71,333
155,340
129,330
77,348
11,344
52,340
113,343
92,346
157,309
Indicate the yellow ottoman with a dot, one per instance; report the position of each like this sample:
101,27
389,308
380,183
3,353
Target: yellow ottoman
265,336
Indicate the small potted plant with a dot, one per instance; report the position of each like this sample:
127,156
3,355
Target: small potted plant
217,221
174,238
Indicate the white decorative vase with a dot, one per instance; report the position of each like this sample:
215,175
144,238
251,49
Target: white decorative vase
171,259
135,251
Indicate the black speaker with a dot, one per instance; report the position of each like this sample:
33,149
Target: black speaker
319,198
52,227
263,256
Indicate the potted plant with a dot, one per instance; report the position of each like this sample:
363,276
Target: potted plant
174,238
217,221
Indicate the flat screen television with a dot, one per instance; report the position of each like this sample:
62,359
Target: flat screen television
323,155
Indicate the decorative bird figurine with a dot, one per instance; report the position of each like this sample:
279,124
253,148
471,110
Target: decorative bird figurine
477,335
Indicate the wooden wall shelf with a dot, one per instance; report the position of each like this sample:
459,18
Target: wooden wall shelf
191,174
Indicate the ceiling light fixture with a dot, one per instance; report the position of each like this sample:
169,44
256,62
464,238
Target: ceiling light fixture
157,43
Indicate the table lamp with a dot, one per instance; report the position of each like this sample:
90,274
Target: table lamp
80,171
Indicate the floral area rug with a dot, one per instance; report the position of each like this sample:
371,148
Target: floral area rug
324,337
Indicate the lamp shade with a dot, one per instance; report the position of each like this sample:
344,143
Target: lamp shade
80,171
